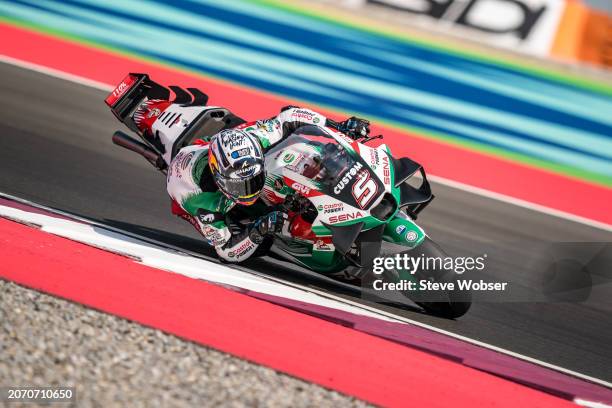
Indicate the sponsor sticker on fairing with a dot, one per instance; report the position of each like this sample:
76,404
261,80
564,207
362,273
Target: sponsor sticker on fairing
302,114
386,170
411,236
300,188
374,158
120,90
321,245
289,157
400,229
153,112
345,217
330,208
348,176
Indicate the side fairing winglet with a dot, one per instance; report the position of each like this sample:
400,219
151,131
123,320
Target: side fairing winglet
199,97
415,199
404,169
410,195
194,97
344,236
157,91
369,244
181,96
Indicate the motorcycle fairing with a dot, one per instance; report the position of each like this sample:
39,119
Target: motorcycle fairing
412,199
185,120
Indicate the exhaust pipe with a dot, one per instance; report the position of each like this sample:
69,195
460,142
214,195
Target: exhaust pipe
127,142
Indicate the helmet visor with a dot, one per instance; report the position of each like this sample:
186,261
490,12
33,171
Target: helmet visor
241,189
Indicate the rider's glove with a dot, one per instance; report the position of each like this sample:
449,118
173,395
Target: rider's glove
355,127
267,225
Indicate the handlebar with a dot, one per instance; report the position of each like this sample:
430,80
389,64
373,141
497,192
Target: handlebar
125,141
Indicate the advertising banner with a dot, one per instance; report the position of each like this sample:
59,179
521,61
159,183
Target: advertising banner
522,25
584,35
567,30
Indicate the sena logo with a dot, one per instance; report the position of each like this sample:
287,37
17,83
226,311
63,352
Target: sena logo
386,171
345,217
348,176
300,188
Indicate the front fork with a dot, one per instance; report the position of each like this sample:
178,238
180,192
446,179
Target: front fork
402,230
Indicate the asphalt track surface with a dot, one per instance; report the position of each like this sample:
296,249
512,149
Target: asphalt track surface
55,149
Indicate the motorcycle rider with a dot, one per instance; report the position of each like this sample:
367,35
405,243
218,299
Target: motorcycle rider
207,179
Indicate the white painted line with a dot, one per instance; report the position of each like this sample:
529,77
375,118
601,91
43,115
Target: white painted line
56,73
332,300
466,339
520,203
164,258
590,404
442,180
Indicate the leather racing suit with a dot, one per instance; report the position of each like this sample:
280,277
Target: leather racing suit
197,199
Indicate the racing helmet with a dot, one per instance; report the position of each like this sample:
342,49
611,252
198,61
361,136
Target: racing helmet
236,161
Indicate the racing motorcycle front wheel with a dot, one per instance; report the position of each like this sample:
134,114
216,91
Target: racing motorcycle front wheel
449,304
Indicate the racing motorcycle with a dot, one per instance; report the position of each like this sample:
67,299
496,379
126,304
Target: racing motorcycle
343,198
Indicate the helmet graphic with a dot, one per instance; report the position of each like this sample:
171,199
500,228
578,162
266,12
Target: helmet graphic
236,161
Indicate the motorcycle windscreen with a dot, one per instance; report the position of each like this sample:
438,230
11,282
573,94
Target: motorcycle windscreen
340,173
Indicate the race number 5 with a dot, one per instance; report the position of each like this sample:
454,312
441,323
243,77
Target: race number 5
364,189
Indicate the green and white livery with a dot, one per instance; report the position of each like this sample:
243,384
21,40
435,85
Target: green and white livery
344,199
